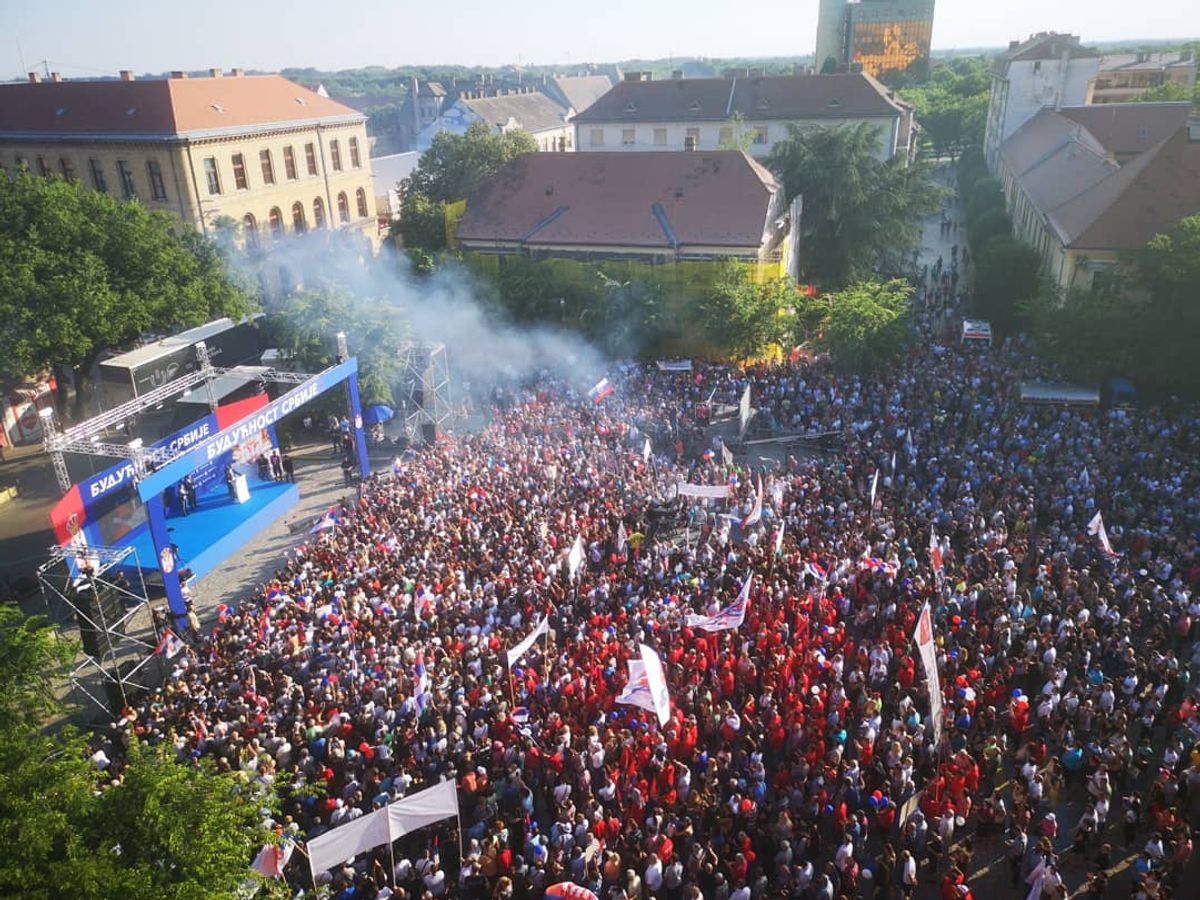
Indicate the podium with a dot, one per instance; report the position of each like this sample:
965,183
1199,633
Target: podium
241,490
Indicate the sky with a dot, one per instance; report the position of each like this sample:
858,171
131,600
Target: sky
82,38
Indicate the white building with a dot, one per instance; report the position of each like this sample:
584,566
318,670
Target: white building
708,114
526,109
1048,70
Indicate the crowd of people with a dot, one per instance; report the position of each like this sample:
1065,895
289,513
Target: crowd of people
799,757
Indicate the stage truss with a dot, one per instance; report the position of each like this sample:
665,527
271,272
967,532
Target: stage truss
425,388
70,573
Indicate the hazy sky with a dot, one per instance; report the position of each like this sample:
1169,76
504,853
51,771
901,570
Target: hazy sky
88,37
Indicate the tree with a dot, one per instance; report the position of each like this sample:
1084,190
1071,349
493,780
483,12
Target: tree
862,215
1007,276
1167,272
1172,91
83,273
951,105
453,167
865,327
739,137
32,655
995,222
742,318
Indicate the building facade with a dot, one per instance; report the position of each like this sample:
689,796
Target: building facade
256,152
1085,185
524,109
1127,76
874,36
1047,70
710,114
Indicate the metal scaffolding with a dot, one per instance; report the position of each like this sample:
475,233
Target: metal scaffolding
74,579
425,389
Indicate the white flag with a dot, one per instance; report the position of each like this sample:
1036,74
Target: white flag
893,462
423,808
1084,478
1096,527
522,648
647,451
874,488
755,515
637,690
272,859
348,840
779,539
927,650
731,616
622,539
658,684
575,558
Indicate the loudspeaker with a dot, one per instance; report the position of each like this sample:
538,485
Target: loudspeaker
112,690
104,612
429,433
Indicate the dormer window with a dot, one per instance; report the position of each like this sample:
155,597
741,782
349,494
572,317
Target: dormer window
835,102
694,106
132,111
630,107
302,101
762,103
61,111
218,107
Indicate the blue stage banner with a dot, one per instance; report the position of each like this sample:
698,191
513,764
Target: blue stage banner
97,488
213,448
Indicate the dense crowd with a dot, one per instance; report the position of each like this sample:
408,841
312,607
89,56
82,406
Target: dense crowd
799,759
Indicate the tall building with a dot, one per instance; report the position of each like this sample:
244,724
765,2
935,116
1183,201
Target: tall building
258,151
1047,70
875,35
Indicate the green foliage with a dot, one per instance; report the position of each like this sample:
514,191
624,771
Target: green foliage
951,106
84,273
986,195
971,168
1007,277
1091,334
740,138
1172,91
861,215
829,67
453,167
741,318
865,327
305,329
1168,272
995,222
32,655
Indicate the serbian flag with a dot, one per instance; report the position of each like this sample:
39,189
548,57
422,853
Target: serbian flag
817,571
569,890
223,611
1096,528
170,646
731,616
272,859
875,564
779,539
935,551
601,390
874,488
755,511
264,626
326,521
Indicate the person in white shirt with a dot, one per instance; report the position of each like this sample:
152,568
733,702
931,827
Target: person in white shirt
654,873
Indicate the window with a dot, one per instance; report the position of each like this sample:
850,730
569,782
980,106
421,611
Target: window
597,137
692,140
250,230
43,167
97,169
760,134
355,159
213,176
289,163
298,224
126,174
268,167
67,168
310,157
343,208
361,196
276,222
725,138
335,156
154,171
660,137
318,213
628,137
239,172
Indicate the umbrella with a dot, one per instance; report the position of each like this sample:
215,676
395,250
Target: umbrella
377,413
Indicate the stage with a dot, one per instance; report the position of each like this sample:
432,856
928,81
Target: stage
217,528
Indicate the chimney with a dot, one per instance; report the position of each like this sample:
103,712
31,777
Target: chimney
237,73
1013,45
35,78
55,77
647,76
179,74
215,73
127,75
677,74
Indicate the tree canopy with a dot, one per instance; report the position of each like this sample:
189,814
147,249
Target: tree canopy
1007,277
84,273
862,215
741,318
951,105
865,327
453,167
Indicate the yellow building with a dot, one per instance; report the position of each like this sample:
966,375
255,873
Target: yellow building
268,154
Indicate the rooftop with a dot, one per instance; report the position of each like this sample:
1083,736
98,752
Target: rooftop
161,107
754,98
645,200
532,111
